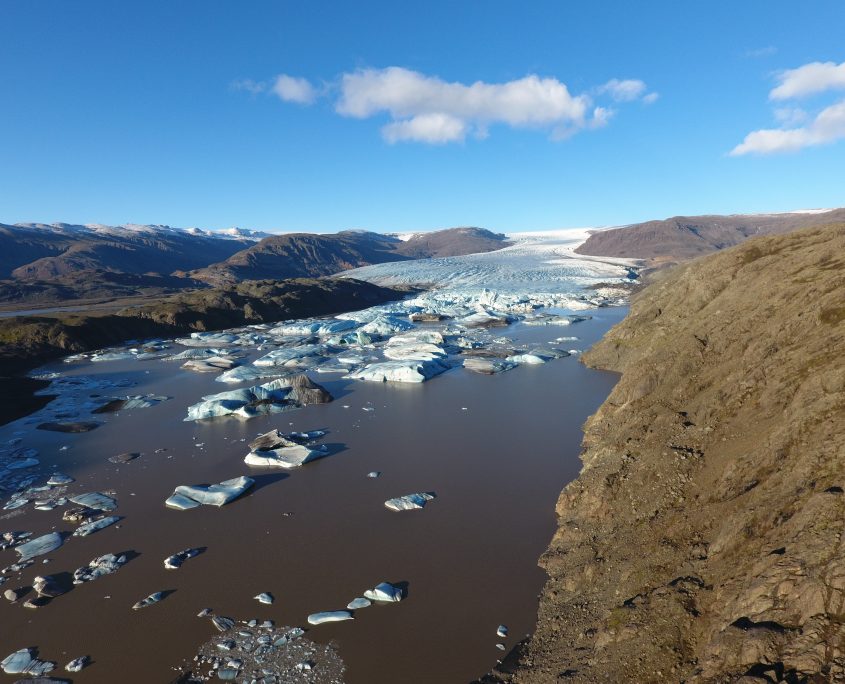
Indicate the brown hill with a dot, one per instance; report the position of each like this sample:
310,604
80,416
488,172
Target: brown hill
702,542
685,237
49,252
310,254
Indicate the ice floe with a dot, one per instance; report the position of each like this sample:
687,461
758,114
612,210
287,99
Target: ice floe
329,616
25,662
150,600
272,397
90,527
177,559
39,546
410,502
190,496
385,592
400,371
100,566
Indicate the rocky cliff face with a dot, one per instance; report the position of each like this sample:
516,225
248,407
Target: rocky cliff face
703,541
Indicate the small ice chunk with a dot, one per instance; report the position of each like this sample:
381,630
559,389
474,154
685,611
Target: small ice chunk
502,631
222,623
149,600
374,474
285,457
410,502
104,565
77,664
94,525
94,500
359,602
175,561
58,479
39,546
329,616
25,662
190,496
385,593
265,598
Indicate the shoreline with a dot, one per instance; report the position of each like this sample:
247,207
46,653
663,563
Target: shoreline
695,544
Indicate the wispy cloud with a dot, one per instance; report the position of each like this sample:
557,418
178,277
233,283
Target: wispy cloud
427,109
827,126
810,79
291,89
757,53
627,90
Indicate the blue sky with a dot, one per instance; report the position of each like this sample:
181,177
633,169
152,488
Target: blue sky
173,112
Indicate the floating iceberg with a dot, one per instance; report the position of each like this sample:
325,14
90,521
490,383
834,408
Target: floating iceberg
39,546
287,355
385,593
250,374
95,501
410,502
272,397
400,371
329,616
488,366
384,325
94,525
25,662
191,496
528,359
103,565
212,364
284,457
175,561
149,600
321,328
359,602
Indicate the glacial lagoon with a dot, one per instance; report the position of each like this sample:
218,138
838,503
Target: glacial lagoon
435,476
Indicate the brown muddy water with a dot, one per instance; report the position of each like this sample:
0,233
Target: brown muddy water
497,450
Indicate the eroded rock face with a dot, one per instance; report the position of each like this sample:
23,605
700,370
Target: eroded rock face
702,541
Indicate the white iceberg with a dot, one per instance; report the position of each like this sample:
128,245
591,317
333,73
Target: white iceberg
39,546
286,355
190,496
410,502
400,371
95,525
284,457
103,565
385,593
329,616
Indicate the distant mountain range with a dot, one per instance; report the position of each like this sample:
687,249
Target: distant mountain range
309,255
43,264
686,237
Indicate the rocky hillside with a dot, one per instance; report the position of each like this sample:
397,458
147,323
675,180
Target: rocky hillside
47,252
703,541
685,237
309,254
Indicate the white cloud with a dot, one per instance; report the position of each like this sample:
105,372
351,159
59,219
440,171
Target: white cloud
623,91
651,98
291,89
428,109
809,79
827,127
404,93
430,128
